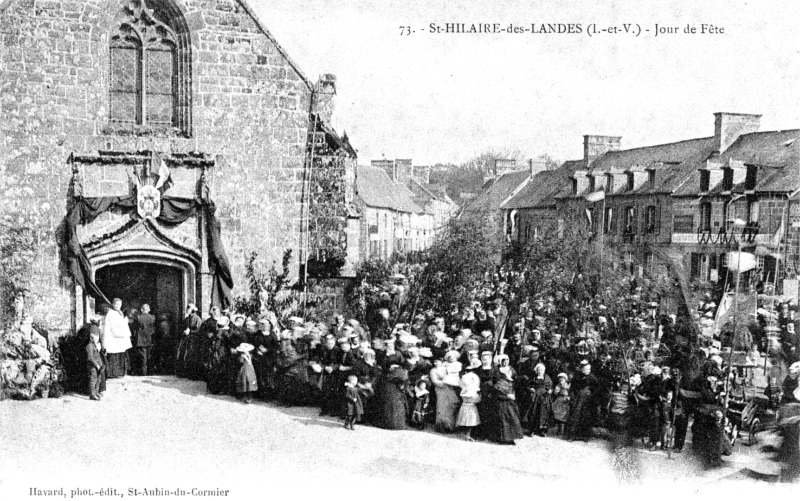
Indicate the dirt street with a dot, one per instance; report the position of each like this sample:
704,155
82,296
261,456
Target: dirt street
162,432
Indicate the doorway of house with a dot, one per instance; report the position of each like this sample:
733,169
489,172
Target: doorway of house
159,286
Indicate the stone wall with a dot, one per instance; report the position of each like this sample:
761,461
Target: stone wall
249,108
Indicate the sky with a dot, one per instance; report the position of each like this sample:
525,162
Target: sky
449,97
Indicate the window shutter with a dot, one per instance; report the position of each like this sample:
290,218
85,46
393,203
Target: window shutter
658,220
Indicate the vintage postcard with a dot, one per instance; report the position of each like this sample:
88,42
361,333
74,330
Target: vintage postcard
362,249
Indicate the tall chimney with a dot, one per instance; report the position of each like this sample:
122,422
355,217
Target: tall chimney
536,166
729,126
404,171
595,146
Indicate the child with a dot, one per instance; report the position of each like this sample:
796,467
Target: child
95,365
355,405
422,401
246,382
468,416
561,401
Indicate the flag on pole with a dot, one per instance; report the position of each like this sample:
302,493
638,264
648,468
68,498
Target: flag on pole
596,196
163,172
776,238
741,261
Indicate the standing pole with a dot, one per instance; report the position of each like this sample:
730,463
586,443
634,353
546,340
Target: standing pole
307,239
733,340
602,237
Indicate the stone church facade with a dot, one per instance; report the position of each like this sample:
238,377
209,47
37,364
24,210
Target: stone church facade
191,101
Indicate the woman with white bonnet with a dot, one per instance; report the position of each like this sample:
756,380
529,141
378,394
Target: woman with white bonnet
537,416
446,383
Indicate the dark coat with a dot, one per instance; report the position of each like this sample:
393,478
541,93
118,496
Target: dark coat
147,327
355,406
93,356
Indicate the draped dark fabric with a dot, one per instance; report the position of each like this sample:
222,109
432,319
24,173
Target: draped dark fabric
174,211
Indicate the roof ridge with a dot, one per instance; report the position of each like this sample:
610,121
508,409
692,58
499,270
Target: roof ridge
661,144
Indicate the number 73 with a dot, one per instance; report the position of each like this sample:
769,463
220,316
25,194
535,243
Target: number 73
405,30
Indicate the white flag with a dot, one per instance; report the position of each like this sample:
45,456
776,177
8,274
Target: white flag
741,261
596,196
163,172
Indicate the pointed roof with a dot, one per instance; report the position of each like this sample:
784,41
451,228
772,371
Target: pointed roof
497,192
543,187
376,189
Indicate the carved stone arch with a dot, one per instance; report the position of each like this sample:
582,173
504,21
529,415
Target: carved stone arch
155,28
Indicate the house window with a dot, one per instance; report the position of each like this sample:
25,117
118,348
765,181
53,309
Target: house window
651,178
750,179
149,70
574,186
609,183
630,182
591,184
629,261
752,211
650,219
590,219
705,216
727,179
683,224
705,179
700,269
630,220
608,223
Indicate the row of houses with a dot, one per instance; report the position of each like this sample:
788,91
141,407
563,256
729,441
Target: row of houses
683,205
401,211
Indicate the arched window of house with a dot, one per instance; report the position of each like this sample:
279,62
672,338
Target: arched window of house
149,83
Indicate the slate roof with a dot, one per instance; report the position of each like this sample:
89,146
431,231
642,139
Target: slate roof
376,189
673,163
544,187
776,153
498,191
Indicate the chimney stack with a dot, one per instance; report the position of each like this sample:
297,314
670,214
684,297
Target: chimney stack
595,146
388,167
729,126
404,171
325,91
536,166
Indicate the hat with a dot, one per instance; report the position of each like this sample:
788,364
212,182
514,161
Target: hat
487,351
244,348
562,374
584,362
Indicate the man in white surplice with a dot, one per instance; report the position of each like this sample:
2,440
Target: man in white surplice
116,339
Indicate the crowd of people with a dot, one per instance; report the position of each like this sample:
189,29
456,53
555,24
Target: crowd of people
477,370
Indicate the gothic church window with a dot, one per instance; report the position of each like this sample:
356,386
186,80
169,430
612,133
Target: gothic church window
150,67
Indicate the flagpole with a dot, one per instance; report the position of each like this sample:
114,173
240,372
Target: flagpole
602,237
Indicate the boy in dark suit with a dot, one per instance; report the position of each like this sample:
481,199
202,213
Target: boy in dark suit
95,365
